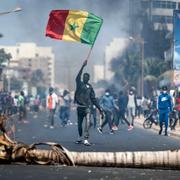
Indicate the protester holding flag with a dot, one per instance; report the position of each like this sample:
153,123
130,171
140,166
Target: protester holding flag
84,97
78,26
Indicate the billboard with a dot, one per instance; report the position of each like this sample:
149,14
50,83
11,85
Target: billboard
176,56
176,78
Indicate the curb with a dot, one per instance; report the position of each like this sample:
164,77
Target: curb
157,130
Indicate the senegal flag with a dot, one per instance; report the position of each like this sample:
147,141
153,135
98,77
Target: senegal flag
73,25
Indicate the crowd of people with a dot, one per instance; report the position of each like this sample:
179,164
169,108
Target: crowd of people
111,108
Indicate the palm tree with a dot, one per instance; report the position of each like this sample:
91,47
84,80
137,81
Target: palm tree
127,68
4,57
12,151
60,155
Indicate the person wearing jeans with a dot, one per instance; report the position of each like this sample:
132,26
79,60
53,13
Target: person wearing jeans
122,105
51,103
164,107
84,98
108,106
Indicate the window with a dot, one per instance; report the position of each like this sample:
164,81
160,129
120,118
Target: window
162,19
178,5
145,4
164,4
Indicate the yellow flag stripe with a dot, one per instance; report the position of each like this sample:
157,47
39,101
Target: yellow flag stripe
74,25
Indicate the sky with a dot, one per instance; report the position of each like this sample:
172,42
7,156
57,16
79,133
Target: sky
29,26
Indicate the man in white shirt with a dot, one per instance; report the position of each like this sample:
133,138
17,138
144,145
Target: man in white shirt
131,106
51,104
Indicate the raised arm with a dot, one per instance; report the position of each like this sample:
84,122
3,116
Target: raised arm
78,77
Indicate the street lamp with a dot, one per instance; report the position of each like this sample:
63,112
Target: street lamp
140,40
11,11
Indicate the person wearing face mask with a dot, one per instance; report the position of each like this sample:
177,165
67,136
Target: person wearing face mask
164,107
131,106
84,98
107,103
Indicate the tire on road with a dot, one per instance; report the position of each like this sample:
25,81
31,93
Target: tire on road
147,124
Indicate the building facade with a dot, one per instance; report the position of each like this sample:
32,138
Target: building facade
30,57
160,12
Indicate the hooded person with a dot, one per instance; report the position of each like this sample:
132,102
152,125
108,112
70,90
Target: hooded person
108,105
164,108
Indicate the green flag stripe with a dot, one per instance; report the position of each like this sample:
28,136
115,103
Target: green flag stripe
91,29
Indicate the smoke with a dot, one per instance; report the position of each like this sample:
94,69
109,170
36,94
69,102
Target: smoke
116,48
31,23
34,16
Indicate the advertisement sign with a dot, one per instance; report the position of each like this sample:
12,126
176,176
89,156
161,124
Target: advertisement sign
176,78
176,59
177,40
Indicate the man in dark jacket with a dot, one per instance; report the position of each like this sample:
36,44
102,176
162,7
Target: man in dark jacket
122,104
84,98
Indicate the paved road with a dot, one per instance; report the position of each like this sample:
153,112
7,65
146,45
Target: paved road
136,140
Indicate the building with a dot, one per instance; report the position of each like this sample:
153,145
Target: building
160,12
30,57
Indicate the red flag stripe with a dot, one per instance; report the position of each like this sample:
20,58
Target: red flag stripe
56,23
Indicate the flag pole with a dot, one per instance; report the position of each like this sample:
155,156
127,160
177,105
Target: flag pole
89,53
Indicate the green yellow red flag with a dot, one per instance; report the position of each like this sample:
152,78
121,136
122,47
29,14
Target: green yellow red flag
73,25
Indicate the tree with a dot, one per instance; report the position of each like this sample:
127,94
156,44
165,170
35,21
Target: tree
16,152
11,151
153,69
127,68
4,57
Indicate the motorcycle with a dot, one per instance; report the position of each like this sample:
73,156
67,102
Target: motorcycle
151,119
173,119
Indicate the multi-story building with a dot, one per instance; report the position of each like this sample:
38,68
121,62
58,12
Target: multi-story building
29,56
160,12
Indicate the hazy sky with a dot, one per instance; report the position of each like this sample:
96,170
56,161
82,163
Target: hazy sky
29,25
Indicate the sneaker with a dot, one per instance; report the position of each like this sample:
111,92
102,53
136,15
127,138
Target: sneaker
166,134
130,128
99,130
111,132
51,127
115,128
79,140
86,142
